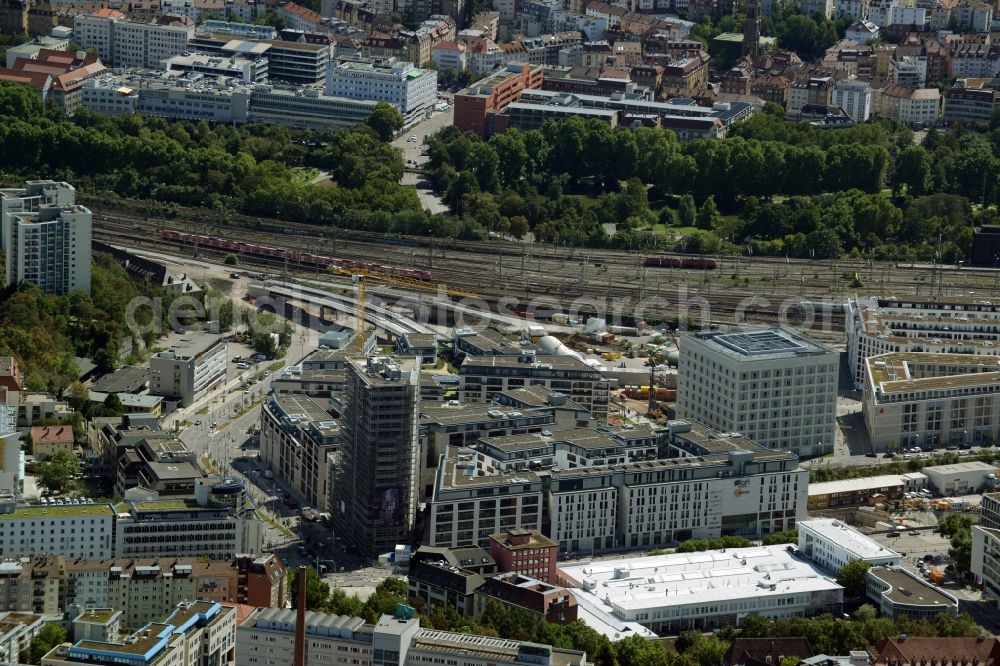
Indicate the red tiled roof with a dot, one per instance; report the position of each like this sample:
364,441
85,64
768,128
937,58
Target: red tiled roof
985,652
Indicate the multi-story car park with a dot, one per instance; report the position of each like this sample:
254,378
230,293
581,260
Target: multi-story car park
776,386
919,324
931,400
608,489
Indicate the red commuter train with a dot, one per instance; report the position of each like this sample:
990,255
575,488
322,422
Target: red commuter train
699,263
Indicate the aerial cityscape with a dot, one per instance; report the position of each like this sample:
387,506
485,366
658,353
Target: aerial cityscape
475,332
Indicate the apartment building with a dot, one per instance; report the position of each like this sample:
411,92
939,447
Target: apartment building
31,197
812,91
487,342
17,630
481,378
11,455
46,441
411,90
474,104
375,489
970,102
931,400
190,369
125,43
195,634
266,639
144,589
919,324
831,544
49,248
776,386
854,97
83,530
297,440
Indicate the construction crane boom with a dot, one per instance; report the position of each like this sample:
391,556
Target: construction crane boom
359,334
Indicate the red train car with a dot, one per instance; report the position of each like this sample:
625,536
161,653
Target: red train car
700,263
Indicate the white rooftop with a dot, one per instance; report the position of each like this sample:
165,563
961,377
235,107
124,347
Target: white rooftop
851,485
860,547
958,468
620,587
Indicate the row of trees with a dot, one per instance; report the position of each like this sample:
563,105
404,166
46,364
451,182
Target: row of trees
774,187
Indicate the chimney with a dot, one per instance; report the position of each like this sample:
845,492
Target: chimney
299,656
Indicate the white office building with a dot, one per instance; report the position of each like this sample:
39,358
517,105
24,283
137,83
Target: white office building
188,370
124,43
74,531
12,459
718,588
985,560
831,544
919,324
854,97
411,90
931,400
775,386
49,247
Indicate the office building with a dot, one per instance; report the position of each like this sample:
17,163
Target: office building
488,342
83,530
190,369
195,634
124,43
831,544
701,591
527,552
376,481
610,489
920,324
163,465
266,639
306,109
931,399
474,104
483,377
246,70
204,526
49,248
898,594
985,560
411,90
297,63
435,585
777,387
298,439
544,601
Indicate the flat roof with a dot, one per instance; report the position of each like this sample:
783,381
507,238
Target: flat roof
761,343
486,648
300,408
898,372
910,590
853,485
193,344
58,511
629,584
959,467
540,361
854,542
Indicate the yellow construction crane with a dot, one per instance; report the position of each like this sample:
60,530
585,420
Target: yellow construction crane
400,281
358,344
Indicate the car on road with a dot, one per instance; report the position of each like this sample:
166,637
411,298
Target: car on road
215,424
893,534
914,532
243,366
413,139
871,455
888,454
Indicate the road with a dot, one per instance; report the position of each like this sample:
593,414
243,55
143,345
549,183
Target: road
414,157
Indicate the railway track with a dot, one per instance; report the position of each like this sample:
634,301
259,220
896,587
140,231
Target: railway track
758,289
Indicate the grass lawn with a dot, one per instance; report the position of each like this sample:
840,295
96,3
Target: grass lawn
304,174
277,365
